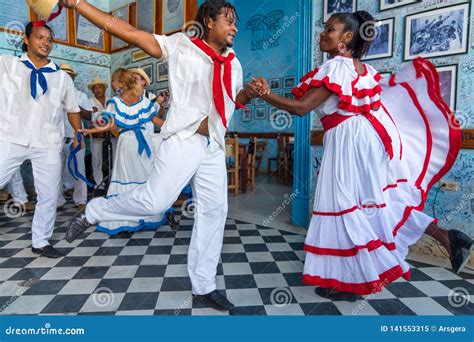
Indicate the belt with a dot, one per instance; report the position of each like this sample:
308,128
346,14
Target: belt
333,120
142,144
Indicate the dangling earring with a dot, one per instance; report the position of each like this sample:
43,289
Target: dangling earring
342,48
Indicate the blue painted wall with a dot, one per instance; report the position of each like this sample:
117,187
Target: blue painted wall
266,46
453,209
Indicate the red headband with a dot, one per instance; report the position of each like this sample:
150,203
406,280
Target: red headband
42,23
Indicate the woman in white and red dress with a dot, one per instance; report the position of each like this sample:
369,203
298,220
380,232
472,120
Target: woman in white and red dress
383,150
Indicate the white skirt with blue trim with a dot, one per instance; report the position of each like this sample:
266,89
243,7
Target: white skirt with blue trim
130,171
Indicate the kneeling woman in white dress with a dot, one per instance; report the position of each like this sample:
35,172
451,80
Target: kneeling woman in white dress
129,113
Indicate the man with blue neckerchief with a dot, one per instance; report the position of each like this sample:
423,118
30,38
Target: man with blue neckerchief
33,94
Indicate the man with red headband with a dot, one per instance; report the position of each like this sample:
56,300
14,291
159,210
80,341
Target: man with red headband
33,93
206,86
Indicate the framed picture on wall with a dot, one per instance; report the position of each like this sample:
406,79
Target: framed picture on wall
338,6
440,32
124,14
246,115
448,80
146,15
148,68
382,43
173,15
161,71
385,76
288,95
274,83
60,27
139,55
260,113
289,82
259,101
389,4
88,35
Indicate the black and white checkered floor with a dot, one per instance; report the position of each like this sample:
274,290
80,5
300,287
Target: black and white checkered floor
145,274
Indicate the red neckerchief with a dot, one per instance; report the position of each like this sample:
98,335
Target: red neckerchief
217,92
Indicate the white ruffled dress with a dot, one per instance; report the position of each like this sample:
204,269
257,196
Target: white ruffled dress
134,161
385,145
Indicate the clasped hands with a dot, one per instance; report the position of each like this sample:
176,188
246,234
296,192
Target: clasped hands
257,87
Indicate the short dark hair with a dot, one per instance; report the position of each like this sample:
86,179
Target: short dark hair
211,9
29,30
355,23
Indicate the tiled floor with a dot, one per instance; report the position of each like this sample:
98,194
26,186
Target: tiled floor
145,274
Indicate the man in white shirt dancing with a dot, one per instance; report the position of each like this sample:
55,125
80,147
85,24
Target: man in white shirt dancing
33,94
204,79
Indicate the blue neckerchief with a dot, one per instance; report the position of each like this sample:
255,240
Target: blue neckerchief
72,157
37,75
142,144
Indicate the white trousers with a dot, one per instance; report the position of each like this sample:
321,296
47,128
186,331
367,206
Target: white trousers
97,160
68,182
47,175
176,164
16,188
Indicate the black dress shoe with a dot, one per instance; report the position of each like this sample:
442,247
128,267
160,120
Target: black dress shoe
332,294
461,245
47,251
215,300
171,220
78,225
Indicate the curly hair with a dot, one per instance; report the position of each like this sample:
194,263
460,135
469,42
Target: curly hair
211,10
362,25
127,79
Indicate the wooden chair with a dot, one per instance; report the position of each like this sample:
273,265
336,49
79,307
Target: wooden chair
261,148
251,158
284,160
232,156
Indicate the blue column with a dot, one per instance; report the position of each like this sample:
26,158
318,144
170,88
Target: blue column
302,153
